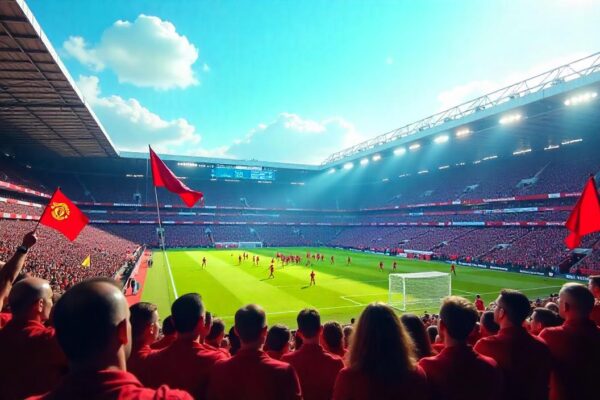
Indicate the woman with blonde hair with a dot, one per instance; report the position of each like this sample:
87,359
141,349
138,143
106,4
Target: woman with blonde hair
381,360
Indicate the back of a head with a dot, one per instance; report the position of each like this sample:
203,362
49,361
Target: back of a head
348,331
250,321
459,316
553,307
432,331
141,315
380,346
488,322
333,335
168,326
86,319
277,337
416,329
25,293
186,312
516,305
217,329
579,299
234,341
594,284
309,322
545,317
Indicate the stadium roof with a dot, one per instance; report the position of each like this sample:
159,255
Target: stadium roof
40,106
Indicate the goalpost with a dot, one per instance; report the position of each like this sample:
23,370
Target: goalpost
419,290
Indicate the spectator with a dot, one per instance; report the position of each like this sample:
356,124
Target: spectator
553,307
215,337
348,330
144,331
432,332
93,329
523,358
333,338
458,372
416,330
278,341
251,373
12,268
487,325
169,334
381,360
594,286
32,361
575,346
543,318
186,364
316,368
234,341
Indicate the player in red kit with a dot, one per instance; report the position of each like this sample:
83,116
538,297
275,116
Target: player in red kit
332,260
203,262
271,271
381,266
479,305
312,278
453,269
349,260
257,259
394,265
240,259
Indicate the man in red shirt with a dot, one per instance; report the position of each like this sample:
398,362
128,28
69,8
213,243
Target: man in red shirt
278,341
144,331
594,286
542,318
458,372
312,278
316,368
332,339
524,359
381,265
169,335
251,374
12,268
93,329
271,271
575,346
185,364
214,339
487,325
32,362
479,303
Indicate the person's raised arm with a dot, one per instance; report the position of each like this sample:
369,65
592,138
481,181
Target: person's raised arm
11,269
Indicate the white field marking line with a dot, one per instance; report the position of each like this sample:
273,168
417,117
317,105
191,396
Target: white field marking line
521,290
366,294
331,280
296,311
350,300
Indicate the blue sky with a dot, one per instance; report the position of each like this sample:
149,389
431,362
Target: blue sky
294,81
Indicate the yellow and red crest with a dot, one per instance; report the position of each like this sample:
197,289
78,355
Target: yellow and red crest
60,211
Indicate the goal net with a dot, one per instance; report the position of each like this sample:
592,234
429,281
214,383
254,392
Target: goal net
419,290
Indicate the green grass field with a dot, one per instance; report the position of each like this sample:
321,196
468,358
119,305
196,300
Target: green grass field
341,291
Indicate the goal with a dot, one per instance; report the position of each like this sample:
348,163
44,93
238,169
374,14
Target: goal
419,290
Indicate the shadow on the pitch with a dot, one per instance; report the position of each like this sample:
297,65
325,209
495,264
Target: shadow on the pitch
305,287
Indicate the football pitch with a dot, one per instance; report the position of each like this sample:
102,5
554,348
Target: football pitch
340,293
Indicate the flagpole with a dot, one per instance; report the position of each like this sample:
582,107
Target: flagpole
162,245
44,211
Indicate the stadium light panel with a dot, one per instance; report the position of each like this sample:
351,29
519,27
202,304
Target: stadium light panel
444,167
403,175
461,133
364,161
510,118
399,151
551,147
424,171
331,171
489,158
460,164
385,179
376,157
582,98
523,151
414,146
348,165
441,139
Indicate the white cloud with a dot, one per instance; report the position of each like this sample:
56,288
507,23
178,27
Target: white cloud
132,126
290,138
470,90
147,53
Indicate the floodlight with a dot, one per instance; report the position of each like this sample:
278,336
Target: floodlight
510,118
522,151
441,139
582,98
348,165
376,157
399,151
364,161
463,132
414,146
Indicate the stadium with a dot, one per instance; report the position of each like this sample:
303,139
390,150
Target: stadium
431,219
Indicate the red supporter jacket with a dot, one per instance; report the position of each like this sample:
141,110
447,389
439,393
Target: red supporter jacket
4,318
138,363
183,365
164,342
575,348
524,360
31,360
109,385
354,385
316,369
253,375
459,373
595,316
276,355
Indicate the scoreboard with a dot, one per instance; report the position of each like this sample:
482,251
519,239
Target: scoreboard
257,174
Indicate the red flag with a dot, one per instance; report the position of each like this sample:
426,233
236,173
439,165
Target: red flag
163,177
585,217
64,216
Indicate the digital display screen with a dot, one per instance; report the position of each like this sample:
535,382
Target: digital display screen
243,173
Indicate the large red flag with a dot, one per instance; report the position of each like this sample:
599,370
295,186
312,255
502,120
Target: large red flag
163,177
64,216
585,217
